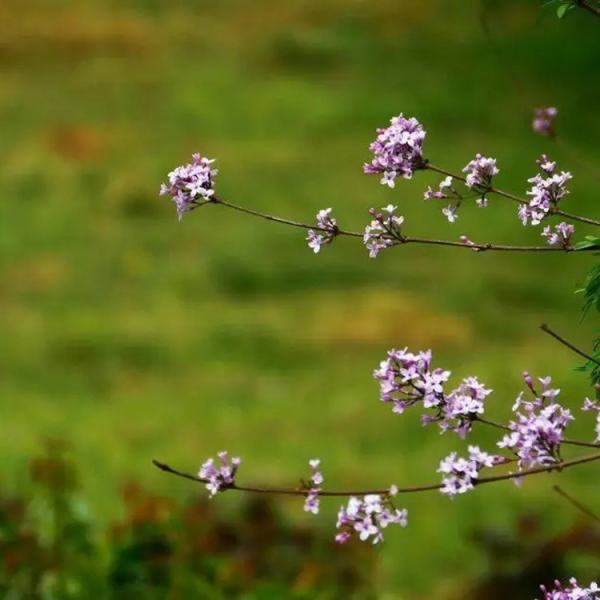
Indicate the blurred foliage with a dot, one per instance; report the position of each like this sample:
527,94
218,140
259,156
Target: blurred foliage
160,549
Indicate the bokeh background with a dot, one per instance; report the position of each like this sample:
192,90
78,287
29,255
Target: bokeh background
127,335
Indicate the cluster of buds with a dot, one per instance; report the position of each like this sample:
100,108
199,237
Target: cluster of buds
219,477
190,184
407,379
327,230
561,235
479,176
368,517
543,120
548,189
537,432
571,591
383,231
397,150
460,474
312,503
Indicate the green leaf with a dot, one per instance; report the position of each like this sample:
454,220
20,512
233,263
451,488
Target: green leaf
561,11
589,241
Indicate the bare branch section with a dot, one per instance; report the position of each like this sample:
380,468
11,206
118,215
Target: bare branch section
568,344
587,5
402,240
578,505
277,491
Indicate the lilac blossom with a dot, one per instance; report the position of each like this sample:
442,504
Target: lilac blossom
543,120
460,474
445,190
593,406
312,501
190,184
479,175
367,517
219,477
537,431
383,231
571,591
328,229
450,213
548,189
407,379
560,236
397,150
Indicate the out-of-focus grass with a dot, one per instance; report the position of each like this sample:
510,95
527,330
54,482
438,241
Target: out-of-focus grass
135,336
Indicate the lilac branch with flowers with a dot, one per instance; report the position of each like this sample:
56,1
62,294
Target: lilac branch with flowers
532,442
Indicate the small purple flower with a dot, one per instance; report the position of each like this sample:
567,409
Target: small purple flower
397,150
479,174
543,120
538,429
561,235
445,190
219,477
327,231
460,474
367,517
571,591
383,231
450,213
190,185
548,189
312,502
593,406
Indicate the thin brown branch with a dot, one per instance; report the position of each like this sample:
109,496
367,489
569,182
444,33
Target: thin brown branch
399,242
514,198
406,490
568,344
578,505
586,5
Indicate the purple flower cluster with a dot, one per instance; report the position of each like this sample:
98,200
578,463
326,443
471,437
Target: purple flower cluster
367,517
537,432
406,379
547,191
560,236
312,501
328,229
571,591
593,406
219,477
189,184
479,174
383,231
398,150
460,474
543,120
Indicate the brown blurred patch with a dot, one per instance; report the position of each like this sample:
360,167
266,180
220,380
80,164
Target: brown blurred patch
77,142
365,317
40,274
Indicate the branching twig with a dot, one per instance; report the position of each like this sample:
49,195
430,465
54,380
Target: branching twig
513,197
383,492
398,242
564,342
581,507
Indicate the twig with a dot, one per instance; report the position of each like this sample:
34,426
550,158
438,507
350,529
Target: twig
383,492
513,197
581,507
564,342
585,4
398,242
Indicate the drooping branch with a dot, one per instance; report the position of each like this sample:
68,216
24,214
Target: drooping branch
568,344
477,247
513,197
578,505
282,491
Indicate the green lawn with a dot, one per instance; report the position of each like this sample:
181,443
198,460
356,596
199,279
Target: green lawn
135,336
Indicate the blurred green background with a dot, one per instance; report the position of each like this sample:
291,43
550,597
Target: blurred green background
133,336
